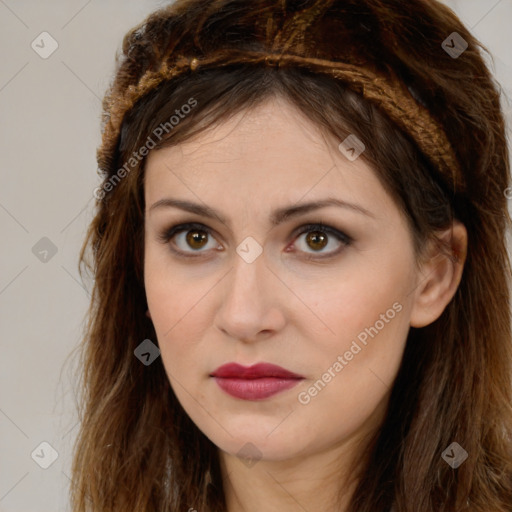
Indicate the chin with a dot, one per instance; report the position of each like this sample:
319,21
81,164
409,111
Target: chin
258,439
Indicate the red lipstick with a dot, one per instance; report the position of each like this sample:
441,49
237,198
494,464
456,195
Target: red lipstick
255,382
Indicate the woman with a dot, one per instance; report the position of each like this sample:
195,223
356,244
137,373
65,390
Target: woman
301,295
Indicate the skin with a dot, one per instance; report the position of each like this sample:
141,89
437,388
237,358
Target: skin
283,308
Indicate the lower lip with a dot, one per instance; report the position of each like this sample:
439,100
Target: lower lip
255,389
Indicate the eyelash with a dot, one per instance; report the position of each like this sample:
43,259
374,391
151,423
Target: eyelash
166,236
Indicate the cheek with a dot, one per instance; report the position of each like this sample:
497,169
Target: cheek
173,291
353,370
353,297
366,309
180,320
177,304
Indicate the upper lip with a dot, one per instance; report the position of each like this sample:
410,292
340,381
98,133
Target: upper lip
256,371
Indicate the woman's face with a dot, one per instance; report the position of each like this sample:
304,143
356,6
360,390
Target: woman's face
331,305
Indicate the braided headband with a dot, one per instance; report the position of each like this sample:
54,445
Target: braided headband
391,95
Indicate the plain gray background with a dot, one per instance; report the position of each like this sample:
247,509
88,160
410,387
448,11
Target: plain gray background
50,129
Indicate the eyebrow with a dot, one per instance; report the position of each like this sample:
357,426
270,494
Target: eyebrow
277,216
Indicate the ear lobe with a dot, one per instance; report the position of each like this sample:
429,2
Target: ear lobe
439,275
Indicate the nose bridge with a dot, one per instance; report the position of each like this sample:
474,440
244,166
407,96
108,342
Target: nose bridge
248,305
248,259
246,281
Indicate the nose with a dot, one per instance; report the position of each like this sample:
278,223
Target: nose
252,302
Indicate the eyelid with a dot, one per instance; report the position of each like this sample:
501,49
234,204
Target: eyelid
320,226
167,234
344,239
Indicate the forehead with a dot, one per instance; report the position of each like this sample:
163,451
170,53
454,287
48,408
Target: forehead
271,151
274,124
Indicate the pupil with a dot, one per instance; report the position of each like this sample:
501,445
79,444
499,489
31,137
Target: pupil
196,239
316,240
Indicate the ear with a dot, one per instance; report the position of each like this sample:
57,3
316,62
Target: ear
439,275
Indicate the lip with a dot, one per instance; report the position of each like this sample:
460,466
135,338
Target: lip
255,382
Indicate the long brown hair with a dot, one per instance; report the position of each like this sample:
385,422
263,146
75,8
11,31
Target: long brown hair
137,449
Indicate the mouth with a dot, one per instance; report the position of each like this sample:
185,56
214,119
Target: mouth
256,382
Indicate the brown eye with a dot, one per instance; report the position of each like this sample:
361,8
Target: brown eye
316,240
189,239
197,238
312,239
